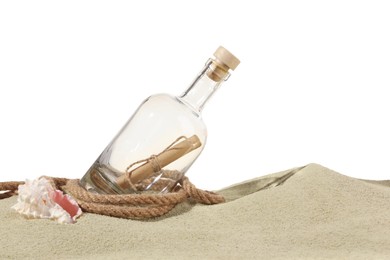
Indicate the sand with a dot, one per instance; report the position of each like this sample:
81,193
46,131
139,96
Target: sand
307,213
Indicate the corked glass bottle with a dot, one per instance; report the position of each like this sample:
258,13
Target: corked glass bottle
158,144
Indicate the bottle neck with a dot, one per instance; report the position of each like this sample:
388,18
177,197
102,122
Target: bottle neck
205,85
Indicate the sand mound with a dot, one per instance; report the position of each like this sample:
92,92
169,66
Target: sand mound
308,212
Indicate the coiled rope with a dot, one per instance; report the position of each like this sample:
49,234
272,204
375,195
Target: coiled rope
131,206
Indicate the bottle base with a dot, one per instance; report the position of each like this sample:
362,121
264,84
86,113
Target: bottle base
97,181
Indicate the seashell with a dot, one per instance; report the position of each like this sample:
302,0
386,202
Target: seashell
38,199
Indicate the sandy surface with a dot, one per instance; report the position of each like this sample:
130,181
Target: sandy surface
307,213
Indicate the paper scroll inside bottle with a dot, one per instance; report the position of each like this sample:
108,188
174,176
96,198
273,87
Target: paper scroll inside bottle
156,162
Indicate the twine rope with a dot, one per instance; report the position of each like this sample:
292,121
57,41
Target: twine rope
132,206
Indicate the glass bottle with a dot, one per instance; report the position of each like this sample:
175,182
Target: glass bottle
162,139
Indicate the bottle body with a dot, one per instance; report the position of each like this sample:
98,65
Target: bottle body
163,138
158,122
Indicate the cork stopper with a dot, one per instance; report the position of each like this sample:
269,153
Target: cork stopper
227,58
223,62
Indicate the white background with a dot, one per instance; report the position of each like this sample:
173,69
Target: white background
312,86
